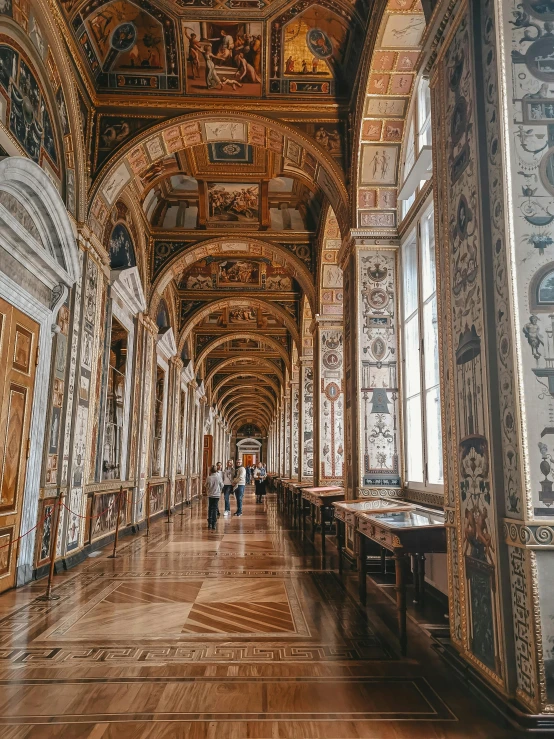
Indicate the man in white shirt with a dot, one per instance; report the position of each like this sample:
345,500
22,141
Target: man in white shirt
239,482
228,477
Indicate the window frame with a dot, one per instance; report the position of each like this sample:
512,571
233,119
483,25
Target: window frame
424,208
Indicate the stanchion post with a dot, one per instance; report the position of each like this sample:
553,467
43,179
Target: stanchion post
53,547
113,555
169,502
147,509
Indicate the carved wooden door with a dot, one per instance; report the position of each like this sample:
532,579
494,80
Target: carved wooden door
207,456
18,358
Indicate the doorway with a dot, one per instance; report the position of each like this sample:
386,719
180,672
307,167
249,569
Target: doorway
248,460
18,359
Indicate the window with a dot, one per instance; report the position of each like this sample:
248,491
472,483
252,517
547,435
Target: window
115,404
158,445
418,136
422,408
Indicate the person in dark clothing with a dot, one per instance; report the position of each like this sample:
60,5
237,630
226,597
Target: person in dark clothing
260,475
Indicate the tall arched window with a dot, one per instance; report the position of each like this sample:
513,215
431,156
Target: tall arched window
422,402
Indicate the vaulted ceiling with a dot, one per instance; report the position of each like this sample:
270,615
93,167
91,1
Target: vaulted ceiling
222,139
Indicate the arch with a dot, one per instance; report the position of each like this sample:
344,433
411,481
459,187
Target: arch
189,130
35,223
261,393
259,360
243,335
273,308
379,126
241,413
252,401
246,247
238,375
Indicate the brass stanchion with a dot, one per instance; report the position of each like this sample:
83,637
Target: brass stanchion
169,503
147,509
113,555
53,547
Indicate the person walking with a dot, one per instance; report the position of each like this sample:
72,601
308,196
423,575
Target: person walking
239,481
213,488
260,475
219,468
228,477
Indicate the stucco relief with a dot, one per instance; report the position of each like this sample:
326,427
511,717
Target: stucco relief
308,420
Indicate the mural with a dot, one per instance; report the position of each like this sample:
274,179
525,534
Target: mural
307,413
308,50
379,377
129,46
331,402
113,131
223,56
121,249
472,476
236,273
230,203
30,119
104,513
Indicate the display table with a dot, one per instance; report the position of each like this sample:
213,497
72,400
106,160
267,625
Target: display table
415,531
320,503
345,513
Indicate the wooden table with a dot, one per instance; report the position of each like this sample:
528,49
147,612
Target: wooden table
320,499
416,531
345,513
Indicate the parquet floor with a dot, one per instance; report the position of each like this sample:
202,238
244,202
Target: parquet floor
238,633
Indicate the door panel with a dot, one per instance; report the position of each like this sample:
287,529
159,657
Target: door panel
18,357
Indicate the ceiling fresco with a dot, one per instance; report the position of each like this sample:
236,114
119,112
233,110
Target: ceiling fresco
226,130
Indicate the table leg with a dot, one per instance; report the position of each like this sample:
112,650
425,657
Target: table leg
415,565
302,516
323,514
400,566
362,569
383,560
312,509
338,525
421,578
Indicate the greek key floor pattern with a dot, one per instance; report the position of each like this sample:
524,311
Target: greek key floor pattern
245,632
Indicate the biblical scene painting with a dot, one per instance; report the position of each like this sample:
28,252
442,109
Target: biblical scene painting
235,272
223,57
127,38
233,203
309,52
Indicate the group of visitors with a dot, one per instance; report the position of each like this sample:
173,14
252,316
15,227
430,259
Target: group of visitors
232,480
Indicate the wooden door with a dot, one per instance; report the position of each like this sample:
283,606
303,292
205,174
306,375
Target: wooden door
207,456
18,358
248,460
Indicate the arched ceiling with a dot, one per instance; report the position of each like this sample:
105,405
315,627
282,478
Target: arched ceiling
236,140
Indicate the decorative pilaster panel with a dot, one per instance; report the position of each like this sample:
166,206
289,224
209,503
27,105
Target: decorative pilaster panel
294,428
377,365
92,317
330,408
306,419
148,360
469,443
287,422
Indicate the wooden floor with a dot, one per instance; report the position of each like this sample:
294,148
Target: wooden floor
237,633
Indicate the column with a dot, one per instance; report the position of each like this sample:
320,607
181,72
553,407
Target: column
191,436
372,438
294,424
286,430
328,401
306,446
494,190
174,410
